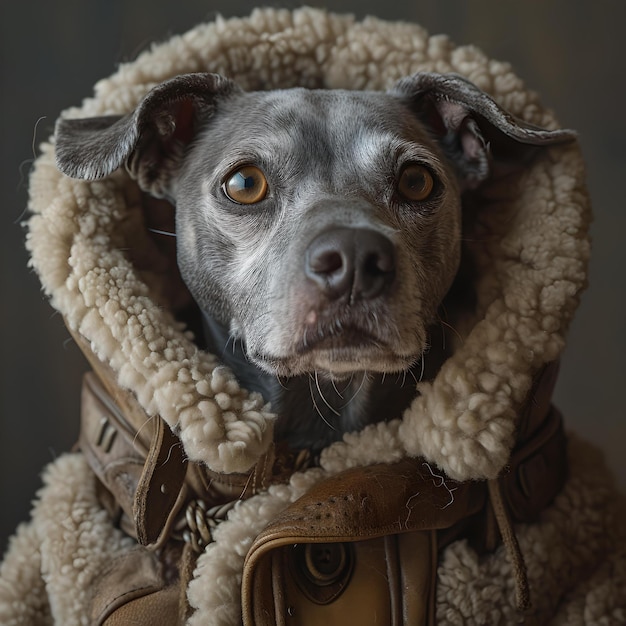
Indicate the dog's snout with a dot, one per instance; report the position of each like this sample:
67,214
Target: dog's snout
350,262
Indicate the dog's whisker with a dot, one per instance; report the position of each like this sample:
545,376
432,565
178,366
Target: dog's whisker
280,382
235,344
363,380
161,232
374,315
332,380
317,384
245,352
228,340
356,393
452,328
317,409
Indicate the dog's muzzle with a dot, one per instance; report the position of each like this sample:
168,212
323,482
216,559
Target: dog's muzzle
343,308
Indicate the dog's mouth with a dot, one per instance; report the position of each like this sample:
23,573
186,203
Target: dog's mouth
339,350
338,339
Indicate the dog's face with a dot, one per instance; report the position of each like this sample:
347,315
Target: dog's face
322,228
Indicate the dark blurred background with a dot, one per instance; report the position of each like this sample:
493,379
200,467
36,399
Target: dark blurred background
52,52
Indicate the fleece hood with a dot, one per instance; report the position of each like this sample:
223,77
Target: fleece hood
115,282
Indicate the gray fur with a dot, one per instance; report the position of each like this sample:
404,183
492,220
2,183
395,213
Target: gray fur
332,160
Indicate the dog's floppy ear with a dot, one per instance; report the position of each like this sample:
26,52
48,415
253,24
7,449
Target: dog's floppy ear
476,134
151,139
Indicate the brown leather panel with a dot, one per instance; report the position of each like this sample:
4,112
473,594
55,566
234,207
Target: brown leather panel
538,402
361,505
109,447
373,501
137,419
132,575
417,554
157,609
385,569
263,610
149,484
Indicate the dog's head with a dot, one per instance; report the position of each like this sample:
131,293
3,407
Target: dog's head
322,228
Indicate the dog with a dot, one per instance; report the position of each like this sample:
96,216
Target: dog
319,231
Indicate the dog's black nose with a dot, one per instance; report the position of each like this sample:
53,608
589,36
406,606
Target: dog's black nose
354,262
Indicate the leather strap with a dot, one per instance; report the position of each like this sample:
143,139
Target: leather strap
160,492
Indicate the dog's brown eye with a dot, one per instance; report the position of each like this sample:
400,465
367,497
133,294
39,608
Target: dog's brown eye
416,183
246,185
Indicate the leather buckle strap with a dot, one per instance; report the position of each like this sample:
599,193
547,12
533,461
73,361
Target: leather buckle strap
161,491
148,484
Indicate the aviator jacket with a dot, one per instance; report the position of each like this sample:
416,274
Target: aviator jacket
179,507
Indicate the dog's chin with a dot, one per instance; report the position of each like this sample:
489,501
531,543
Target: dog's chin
336,363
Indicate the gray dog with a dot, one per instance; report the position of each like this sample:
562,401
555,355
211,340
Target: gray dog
319,231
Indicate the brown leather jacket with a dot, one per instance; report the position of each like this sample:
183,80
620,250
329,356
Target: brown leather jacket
364,542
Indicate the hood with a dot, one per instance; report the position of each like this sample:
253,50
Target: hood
115,280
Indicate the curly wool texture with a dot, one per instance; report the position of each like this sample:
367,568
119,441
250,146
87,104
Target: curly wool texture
48,575
531,269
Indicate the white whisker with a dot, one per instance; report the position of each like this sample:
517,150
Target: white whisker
356,393
454,330
317,384
317,409
280,382
332,380
403,379
161,232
